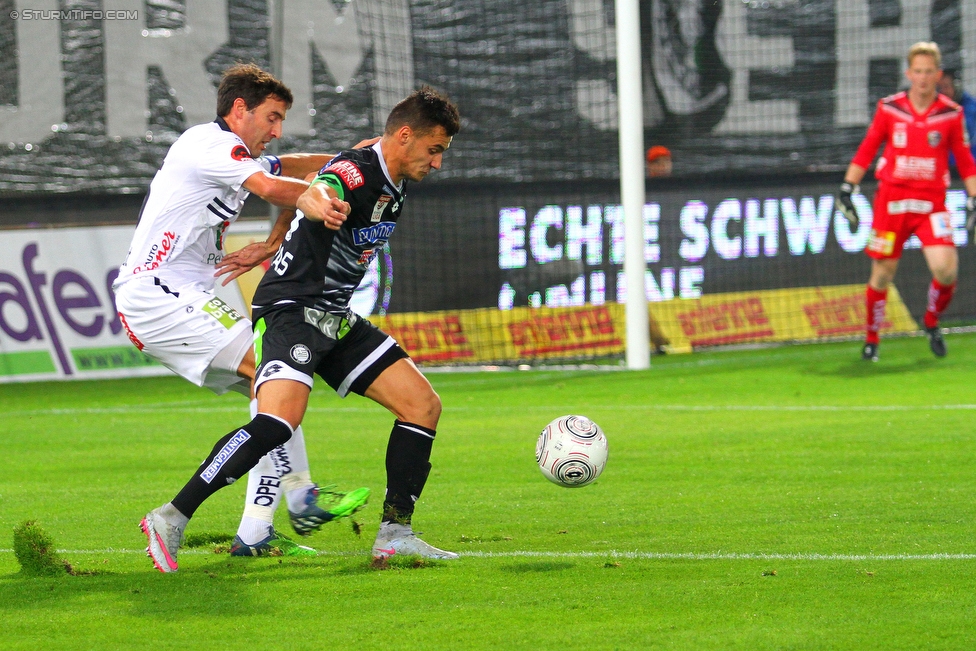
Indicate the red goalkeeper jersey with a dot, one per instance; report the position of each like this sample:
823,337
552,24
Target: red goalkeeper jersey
917,145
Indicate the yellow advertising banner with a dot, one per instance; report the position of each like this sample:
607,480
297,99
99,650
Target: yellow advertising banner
489,335
801,314
493,336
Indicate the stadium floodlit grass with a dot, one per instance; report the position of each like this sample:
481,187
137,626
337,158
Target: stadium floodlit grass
785,498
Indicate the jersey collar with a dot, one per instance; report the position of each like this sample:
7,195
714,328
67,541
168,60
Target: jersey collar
222,124
378,148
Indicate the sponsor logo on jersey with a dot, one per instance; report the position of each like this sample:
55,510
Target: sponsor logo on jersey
366,257
240,152
226,452
380,206
376,234
158,252
918,168
934,138
348,172
899,137
300,353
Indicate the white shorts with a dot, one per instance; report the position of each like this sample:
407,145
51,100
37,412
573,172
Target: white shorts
194,333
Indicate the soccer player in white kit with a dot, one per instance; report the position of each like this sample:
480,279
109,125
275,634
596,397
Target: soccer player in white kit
165,288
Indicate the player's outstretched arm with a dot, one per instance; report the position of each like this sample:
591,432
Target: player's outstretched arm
319,203
845,204
278,190
298,166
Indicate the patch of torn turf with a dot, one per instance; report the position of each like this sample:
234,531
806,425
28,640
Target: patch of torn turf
37,555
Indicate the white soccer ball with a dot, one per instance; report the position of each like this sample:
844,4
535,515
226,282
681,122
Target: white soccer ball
571,451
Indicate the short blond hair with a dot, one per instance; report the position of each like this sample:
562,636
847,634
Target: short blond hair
930,48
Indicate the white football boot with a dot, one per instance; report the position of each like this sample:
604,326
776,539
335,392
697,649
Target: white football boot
400,540
164,540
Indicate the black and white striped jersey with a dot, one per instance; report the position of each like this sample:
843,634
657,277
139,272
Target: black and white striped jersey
321,268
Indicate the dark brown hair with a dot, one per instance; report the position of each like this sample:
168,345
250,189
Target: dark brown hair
424,110
251,84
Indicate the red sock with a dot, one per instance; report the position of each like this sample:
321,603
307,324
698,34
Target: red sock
875,303
939,297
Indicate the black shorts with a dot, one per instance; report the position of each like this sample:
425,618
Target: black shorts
347,351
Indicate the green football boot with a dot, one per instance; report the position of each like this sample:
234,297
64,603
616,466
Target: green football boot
324,505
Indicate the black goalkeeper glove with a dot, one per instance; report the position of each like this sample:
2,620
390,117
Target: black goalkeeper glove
846,206
971,215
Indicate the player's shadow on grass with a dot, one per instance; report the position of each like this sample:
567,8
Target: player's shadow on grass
188,593
138,593
861,369
537,566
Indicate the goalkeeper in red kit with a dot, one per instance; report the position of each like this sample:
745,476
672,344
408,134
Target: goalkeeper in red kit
919,128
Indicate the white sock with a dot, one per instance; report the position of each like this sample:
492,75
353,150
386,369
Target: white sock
296,479
253,530
296,496
261,499
262,496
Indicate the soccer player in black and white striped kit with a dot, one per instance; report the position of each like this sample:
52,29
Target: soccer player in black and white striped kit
303,326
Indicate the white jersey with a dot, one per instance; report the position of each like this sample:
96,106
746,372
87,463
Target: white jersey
194,196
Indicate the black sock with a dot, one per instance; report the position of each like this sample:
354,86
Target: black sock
230,459
407,467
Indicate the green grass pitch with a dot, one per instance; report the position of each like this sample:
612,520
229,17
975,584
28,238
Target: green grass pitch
785,498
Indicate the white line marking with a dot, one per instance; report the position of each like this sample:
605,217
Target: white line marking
692,556
188,408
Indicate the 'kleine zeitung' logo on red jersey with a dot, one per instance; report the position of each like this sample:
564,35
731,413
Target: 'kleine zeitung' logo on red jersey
240,152
348,172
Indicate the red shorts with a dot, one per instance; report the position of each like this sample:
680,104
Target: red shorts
901,211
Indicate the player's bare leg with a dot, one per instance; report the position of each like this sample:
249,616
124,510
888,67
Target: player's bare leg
408,395
404,390
943,262
876,298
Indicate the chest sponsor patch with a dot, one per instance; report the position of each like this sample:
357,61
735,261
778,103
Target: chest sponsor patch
240,152
380,206
916,168
375,234
348,172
